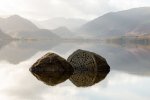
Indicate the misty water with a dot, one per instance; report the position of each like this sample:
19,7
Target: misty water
129,75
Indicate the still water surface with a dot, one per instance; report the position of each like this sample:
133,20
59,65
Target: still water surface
128,79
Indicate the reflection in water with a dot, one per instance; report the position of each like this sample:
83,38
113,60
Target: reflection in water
18,51
87,78
3,43
129,58
84,68
129,76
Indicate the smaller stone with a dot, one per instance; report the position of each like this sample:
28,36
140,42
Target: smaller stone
51,69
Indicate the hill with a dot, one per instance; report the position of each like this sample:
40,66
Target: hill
15,24
21,28
134,21
64,32
54,23
4,36
38,34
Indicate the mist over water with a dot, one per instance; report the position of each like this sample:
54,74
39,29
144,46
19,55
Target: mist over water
129,65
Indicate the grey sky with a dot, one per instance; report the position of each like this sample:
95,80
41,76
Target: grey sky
86,9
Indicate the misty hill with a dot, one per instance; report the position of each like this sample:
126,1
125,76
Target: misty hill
22,28
15,24
38,34
59,22
129,22
4,36
64,32
143,28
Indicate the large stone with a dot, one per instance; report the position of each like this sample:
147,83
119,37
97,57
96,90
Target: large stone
82,60
89,68
51,69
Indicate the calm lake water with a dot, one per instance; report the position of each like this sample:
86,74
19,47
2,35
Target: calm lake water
128,79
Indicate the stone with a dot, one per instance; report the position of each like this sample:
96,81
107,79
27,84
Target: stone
51,69
89,67
84,60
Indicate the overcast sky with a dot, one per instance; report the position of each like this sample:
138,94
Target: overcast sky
86,9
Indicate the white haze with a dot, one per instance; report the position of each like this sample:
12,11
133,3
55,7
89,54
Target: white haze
84,9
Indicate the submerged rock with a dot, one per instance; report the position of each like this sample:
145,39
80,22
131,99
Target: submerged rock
89,68
51,69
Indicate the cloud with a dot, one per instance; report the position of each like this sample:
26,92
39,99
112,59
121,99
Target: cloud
127,4
87,9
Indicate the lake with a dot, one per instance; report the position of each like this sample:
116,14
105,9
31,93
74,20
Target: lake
129,76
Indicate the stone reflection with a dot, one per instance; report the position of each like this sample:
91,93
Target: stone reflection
51,69
89,68
87,78
83,68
